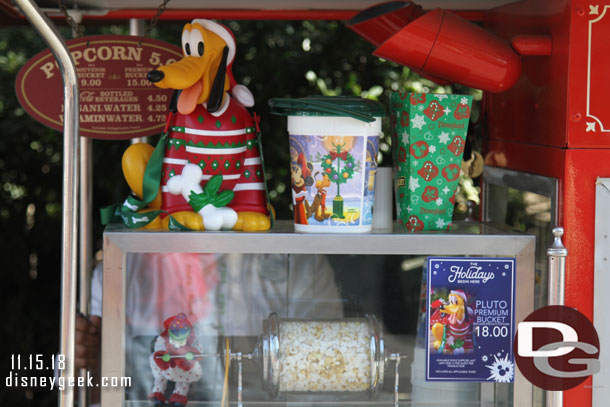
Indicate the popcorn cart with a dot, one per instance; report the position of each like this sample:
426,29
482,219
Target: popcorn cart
344,341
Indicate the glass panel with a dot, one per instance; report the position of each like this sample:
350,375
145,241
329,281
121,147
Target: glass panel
530,213
229,296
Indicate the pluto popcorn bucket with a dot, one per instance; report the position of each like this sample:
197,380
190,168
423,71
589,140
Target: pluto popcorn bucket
333,155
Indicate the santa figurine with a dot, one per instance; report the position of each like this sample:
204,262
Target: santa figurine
175,358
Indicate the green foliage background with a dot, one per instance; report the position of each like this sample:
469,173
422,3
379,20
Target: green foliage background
274,59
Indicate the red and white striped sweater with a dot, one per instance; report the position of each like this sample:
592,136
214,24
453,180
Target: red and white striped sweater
225,144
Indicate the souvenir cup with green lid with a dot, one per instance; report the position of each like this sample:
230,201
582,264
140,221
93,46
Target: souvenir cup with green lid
428,139
334,143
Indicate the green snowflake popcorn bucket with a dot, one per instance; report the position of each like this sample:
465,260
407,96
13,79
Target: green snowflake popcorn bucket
334,143
428,138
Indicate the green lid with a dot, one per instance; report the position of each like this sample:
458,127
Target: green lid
337,106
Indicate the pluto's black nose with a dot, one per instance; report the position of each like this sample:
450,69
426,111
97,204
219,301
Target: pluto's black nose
155,76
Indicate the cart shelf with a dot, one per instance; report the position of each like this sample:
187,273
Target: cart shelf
464,238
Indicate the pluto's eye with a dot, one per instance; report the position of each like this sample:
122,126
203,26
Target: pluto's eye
195,43
192,42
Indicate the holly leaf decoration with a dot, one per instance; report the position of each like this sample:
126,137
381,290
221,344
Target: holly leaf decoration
198,201
457,344
210,195
223,199
213,185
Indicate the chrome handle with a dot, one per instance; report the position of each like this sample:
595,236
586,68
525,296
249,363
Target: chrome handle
556,254
54,40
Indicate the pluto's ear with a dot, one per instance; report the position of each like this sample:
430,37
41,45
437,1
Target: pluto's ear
218,87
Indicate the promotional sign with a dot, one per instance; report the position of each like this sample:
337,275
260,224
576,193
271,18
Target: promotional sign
116,99
470,319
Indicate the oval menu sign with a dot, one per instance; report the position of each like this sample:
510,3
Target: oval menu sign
116,99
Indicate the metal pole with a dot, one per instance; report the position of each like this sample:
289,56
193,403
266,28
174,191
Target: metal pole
240,387
86,243
137,27
556,254
85,248
51,36
396,380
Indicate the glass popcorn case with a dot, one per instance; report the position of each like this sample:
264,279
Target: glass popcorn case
282,318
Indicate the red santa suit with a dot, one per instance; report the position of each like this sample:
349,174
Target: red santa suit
224,143
178,369
457,329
